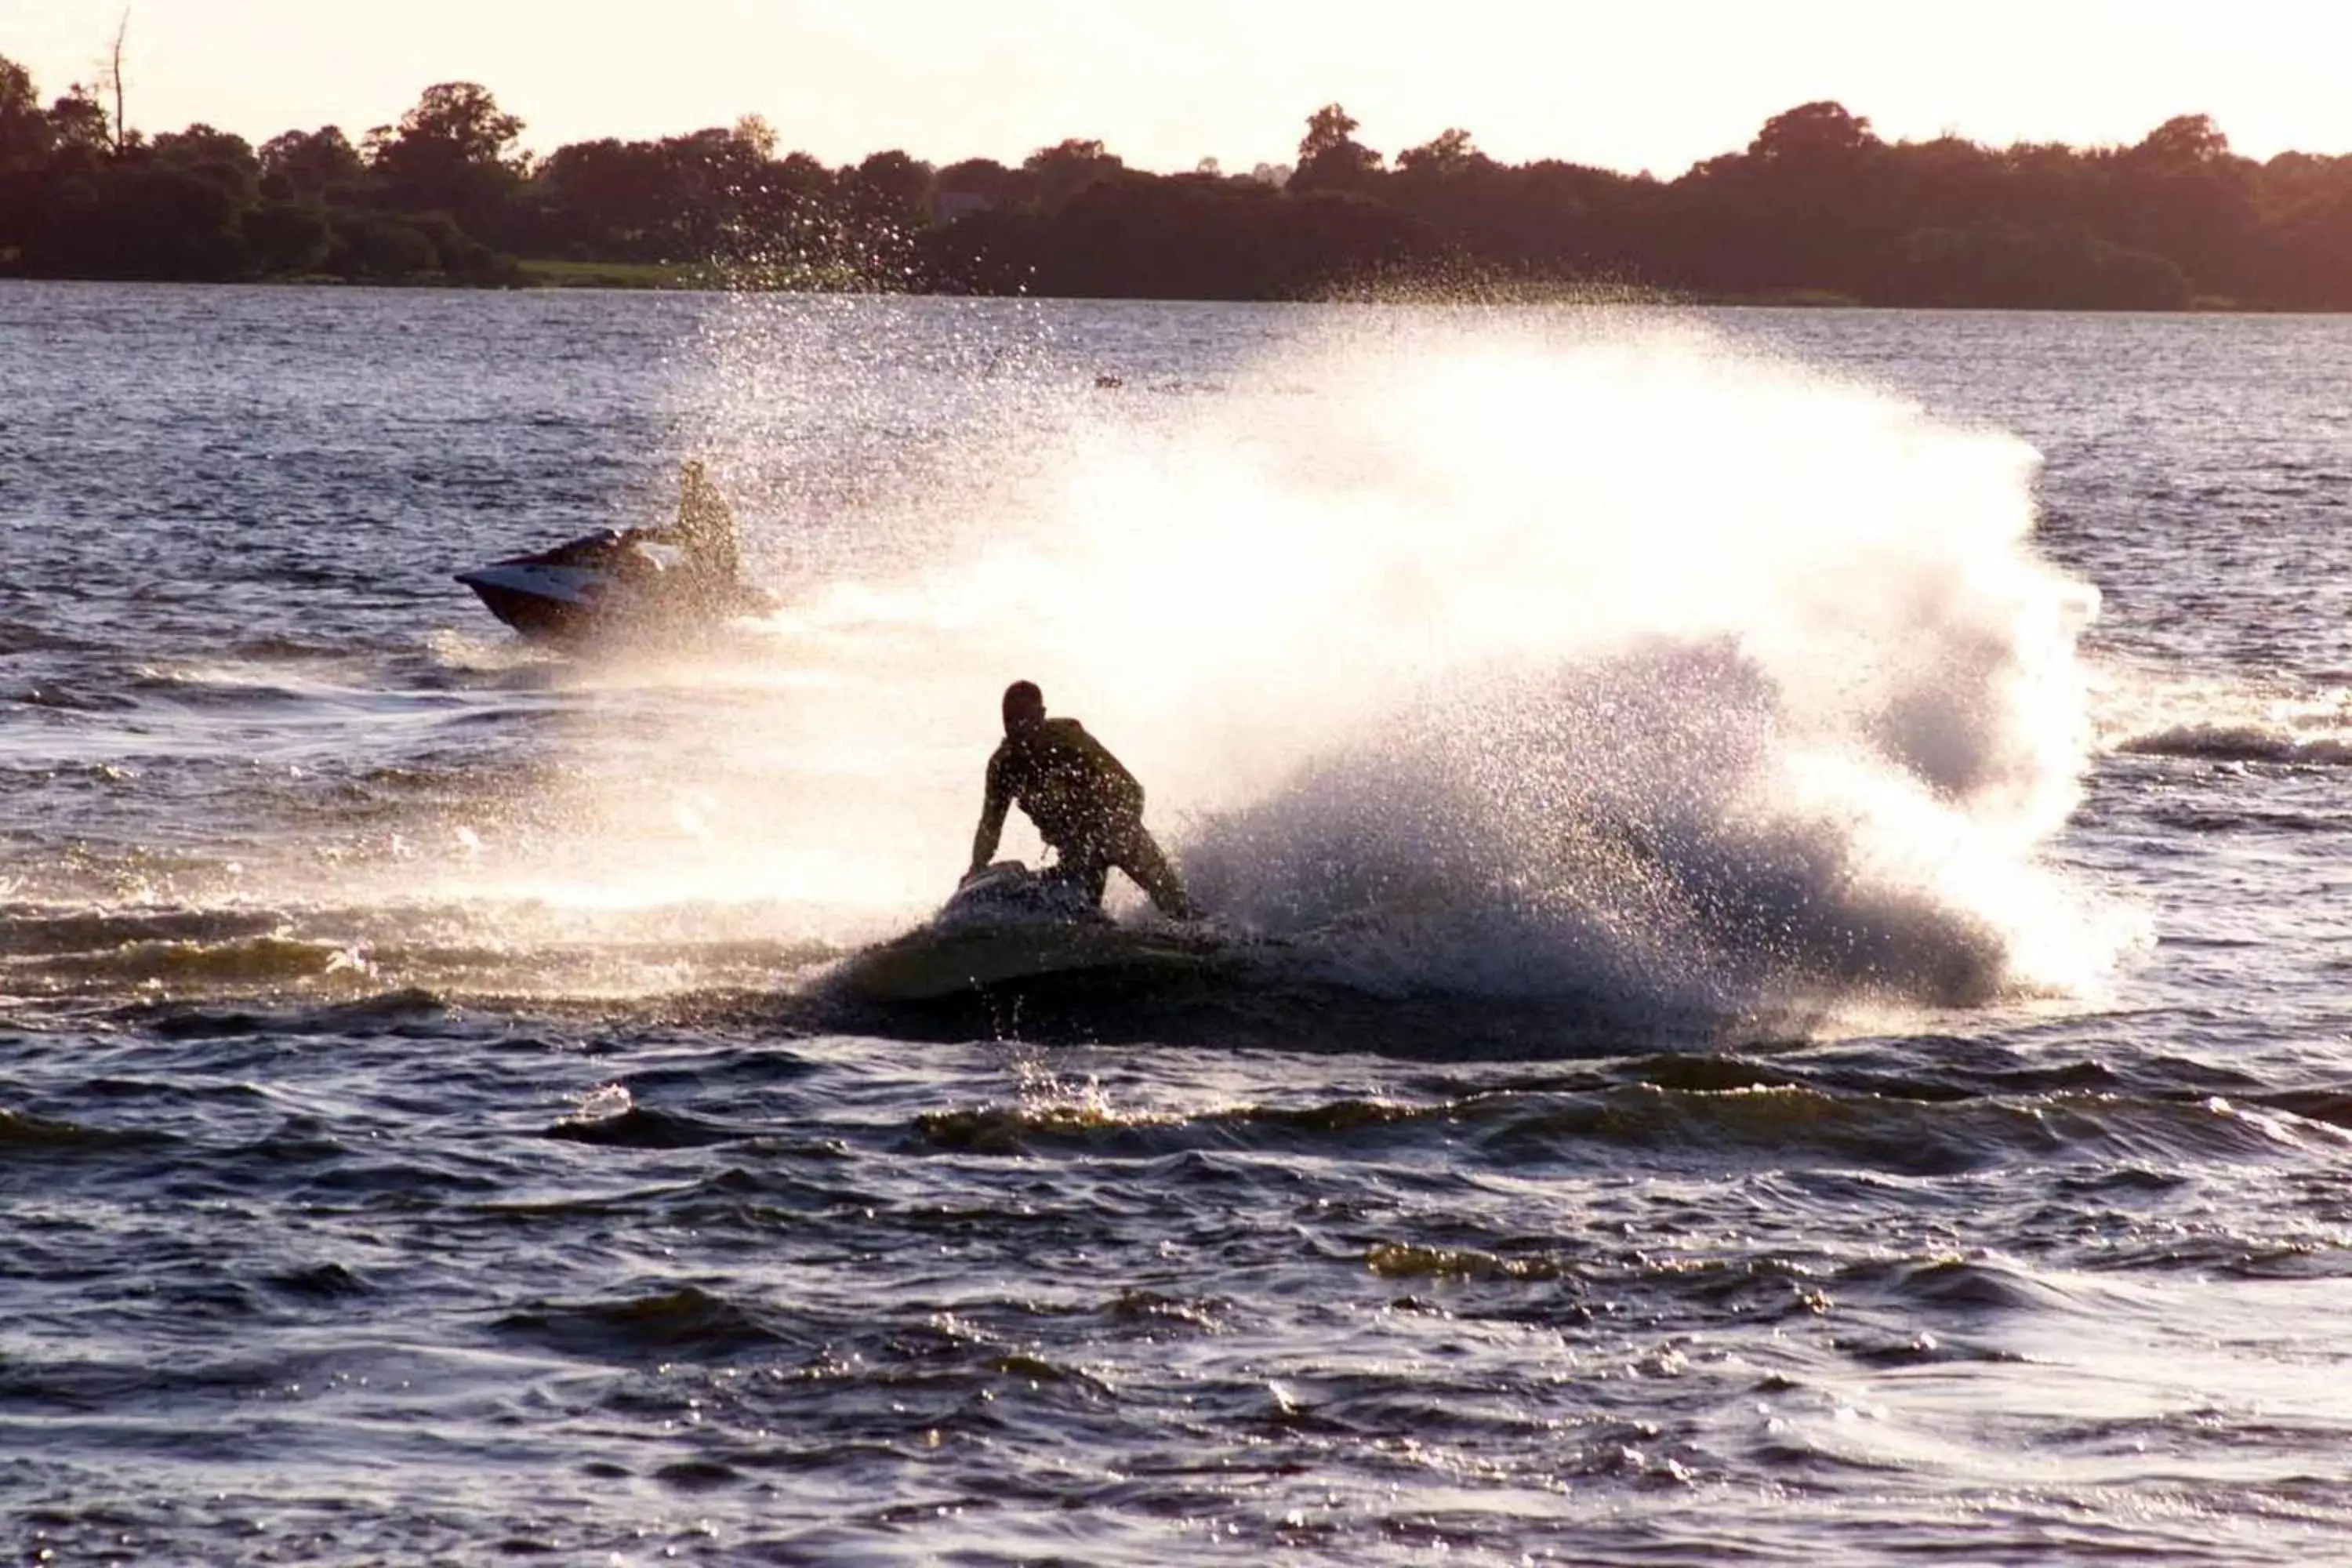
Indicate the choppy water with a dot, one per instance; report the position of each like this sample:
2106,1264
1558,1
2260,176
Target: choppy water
1784,994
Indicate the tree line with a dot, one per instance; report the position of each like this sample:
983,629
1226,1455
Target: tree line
1817,205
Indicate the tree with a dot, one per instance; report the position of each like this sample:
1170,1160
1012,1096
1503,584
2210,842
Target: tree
110,78
2185,141
386,248
24,129
1180,238
891,188
2181,195
320,167
1808,207
451,154
607,200
1447,152
77,121
1329,157
24,152
139,220
1058,174
1987,265
887,201
2312,264
1813,132
1328,129
983,181
288,237
462,117
754,133
719,185
224,159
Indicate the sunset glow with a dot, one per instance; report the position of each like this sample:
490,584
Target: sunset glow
1165,85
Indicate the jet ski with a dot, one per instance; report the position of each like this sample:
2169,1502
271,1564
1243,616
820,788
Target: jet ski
605,585
1007,891
1008,928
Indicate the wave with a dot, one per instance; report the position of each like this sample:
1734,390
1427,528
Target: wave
2222,742
637,1128
23,1135
1749,1112
407,1010
16,637
401,955
59,697
262,961
677,1324
26,929
2285,718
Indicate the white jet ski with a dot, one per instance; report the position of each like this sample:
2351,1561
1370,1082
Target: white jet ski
604,584
1007,925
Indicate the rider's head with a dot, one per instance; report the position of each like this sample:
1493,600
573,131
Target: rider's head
1024,708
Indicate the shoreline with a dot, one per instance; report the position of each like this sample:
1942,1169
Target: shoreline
666,277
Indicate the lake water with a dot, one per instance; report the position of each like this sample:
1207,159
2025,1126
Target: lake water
1783,873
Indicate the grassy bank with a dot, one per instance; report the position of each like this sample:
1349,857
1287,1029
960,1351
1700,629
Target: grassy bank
620,275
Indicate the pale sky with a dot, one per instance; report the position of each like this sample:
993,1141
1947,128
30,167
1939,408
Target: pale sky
1627,86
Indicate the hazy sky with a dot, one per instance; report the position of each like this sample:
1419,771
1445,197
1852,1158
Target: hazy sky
1626,86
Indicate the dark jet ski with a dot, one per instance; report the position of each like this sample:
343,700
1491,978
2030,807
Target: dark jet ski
606,584
1007,926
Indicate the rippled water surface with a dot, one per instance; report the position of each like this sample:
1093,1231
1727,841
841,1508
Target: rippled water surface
1775,989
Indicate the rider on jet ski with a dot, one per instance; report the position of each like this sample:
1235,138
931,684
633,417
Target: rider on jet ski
704,533
1086,806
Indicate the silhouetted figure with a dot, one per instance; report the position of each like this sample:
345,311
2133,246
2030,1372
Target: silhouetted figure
704,533
1087,807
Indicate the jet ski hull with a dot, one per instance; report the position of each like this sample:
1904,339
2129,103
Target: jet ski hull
604,587
523,597
1008,926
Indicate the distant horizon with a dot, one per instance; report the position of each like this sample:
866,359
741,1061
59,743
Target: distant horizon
1164,90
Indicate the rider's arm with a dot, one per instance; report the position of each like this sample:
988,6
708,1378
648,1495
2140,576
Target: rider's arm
992,814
